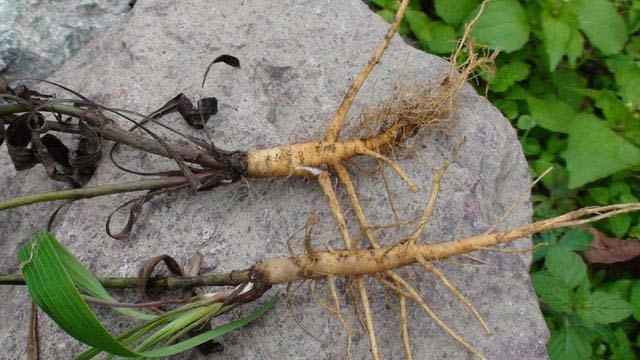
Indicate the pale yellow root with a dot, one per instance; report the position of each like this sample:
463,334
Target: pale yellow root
518,200
368,317
343,175
390,198
462,265
413,294
333,132
325,183
300,323
405,327
512,251
316,297
362,262
406,290
457,293
431,202
478,260
392,165
336,301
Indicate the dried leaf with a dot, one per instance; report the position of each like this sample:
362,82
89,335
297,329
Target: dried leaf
32,343
53,216
134,212
88,153
194,116
44,157
18,139
133,216
27,94
227,59
147,269
609,250
58,151
2,133
37,122
197,116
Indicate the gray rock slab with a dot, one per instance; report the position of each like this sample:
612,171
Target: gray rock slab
298,58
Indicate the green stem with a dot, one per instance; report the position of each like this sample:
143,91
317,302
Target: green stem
12,109
89,192
165,283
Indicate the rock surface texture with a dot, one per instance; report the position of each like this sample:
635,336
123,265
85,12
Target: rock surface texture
36,36
298,58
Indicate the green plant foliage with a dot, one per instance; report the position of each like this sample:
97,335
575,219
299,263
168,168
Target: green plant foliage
567,344
454,15
502,25
556,36
553,291
568,80
508,74
604,27
551,114
55,280
606,308
565,265
595,151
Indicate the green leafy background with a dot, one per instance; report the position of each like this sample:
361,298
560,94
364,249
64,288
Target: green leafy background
568,77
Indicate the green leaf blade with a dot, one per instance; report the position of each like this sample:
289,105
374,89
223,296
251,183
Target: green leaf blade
634,299
50,272
552,291
566,265
454,14
606,308
503,24
594,151
604,27
567,344
420,25
53,290
556,37
551,114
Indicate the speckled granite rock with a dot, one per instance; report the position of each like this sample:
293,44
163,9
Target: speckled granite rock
297,61
37,36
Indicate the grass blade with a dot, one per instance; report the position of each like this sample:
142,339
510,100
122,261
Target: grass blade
54,276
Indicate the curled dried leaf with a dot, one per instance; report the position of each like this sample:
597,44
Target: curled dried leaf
18,140
37,123
200,115
134,212
2,132
145,271
194,116
52,218
88,153
227,59
44,156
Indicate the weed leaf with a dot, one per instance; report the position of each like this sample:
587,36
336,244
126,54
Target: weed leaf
594,151
603,26
503,24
